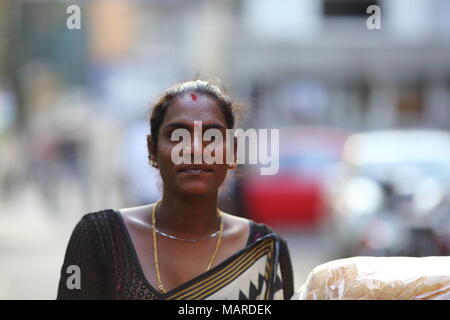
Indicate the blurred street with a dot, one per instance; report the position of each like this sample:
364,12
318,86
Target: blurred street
32,248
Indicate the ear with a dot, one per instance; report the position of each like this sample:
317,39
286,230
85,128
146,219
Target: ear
151,148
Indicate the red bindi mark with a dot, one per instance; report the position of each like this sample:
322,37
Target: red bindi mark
194,97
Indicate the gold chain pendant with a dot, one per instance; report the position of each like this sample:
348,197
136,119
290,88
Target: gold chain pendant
155,247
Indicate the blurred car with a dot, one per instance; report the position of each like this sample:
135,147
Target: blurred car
392,197
296,194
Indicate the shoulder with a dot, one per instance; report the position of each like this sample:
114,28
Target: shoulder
253,229
235,223
96,225
259,230
95,231
138,215
100,219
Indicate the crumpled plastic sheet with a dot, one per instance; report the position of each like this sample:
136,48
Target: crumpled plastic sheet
379,278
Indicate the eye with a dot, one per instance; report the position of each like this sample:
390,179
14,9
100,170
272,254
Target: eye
169,135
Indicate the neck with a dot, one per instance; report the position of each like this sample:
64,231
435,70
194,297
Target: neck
190,216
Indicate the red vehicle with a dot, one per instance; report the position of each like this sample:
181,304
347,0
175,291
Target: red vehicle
296,195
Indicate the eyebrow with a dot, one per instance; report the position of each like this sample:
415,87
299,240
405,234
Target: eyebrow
186,126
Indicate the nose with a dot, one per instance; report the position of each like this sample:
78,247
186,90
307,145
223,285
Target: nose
197,142
197,139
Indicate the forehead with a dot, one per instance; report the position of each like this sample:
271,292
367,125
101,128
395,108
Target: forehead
200,107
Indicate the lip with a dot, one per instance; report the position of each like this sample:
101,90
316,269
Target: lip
195,169
195,172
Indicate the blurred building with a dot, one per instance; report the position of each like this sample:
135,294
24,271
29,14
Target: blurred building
352,76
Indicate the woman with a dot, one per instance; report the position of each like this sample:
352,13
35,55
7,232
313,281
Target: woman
183,246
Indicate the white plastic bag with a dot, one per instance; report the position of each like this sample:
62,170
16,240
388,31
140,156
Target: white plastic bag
379,278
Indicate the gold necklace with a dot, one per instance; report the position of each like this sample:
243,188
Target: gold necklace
155,247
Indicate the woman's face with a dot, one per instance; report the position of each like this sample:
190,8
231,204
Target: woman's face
182,113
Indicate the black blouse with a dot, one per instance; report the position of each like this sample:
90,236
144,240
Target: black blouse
109,268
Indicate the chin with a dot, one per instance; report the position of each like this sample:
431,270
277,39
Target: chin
196,189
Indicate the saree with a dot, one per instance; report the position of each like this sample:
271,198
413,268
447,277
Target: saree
101,247
254,273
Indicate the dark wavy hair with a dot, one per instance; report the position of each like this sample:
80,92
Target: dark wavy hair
159,109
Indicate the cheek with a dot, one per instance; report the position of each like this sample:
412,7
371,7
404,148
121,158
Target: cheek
165,156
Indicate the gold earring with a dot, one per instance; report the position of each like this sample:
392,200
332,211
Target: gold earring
154,163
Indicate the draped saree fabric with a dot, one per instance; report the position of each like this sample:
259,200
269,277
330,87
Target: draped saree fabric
101,247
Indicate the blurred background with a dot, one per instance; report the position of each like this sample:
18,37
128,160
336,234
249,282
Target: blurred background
364,119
